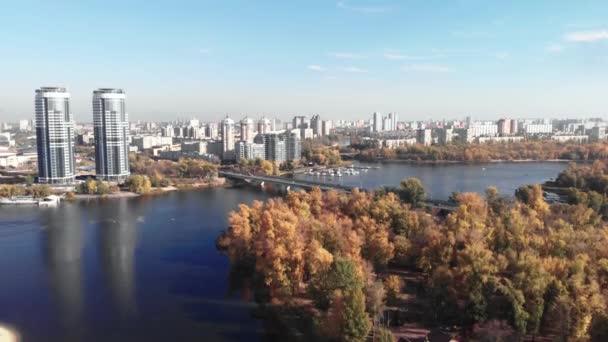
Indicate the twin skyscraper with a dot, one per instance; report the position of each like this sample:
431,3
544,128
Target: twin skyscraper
55,135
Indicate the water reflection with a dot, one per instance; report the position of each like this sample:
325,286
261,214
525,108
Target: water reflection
62,245
118,238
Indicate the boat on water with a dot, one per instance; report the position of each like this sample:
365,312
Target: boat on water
51,200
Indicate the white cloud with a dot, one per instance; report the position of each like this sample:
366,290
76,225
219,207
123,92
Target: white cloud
316,68
345,55
400,57
354,69
427,68
362,9
587,36
554,48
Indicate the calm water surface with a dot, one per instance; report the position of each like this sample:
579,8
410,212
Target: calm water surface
146,269
440,180
142,269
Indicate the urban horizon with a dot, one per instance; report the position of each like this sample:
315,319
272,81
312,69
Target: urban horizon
85,117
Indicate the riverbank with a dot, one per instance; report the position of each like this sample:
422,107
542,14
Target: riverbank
219,182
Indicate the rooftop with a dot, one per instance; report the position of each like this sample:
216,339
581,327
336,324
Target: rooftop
51,90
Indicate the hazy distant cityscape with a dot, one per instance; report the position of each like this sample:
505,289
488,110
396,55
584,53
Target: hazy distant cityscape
48,140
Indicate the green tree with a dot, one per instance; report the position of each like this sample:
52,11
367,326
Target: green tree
341,276
412,191
355,321
29,180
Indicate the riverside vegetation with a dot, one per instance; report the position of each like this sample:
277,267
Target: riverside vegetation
529,150
515,268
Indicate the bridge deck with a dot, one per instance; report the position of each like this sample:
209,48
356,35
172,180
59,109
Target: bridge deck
307,184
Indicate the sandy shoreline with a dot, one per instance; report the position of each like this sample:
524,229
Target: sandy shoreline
216,183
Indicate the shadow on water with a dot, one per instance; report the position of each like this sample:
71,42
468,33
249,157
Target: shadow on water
117,241
62,248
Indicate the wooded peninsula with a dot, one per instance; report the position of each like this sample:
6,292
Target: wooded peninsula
357,266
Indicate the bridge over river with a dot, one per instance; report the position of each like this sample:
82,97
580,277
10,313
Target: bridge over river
309,184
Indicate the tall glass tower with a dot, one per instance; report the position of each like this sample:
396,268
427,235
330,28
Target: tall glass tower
111,128
54,136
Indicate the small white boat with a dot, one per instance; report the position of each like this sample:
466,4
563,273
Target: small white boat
51,200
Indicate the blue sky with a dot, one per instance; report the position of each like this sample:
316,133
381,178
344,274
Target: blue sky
341,59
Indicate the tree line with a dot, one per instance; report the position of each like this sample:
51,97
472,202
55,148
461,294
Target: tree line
528,150
162,173
36,191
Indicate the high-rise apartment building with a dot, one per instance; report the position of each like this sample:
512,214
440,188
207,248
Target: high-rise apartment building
228,139
167,131
280,147
377,122
111,129
211,130
293,146
504,127
264,126
445,136
54,136
393,117
300,122
317,125
326,127
424,136
247,129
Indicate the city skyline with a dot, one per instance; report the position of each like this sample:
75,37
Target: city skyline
339,59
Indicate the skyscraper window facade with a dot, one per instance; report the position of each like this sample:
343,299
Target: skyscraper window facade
111,129
54,136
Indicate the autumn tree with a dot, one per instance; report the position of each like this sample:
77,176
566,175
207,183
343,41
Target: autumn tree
139,184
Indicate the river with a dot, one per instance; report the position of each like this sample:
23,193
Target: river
440,180
146,268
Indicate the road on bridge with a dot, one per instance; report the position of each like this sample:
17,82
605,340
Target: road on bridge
306,184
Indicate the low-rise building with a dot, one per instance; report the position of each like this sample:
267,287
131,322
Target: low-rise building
572,138
483,140
395,143
199,147
177,155
537,129
148,141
